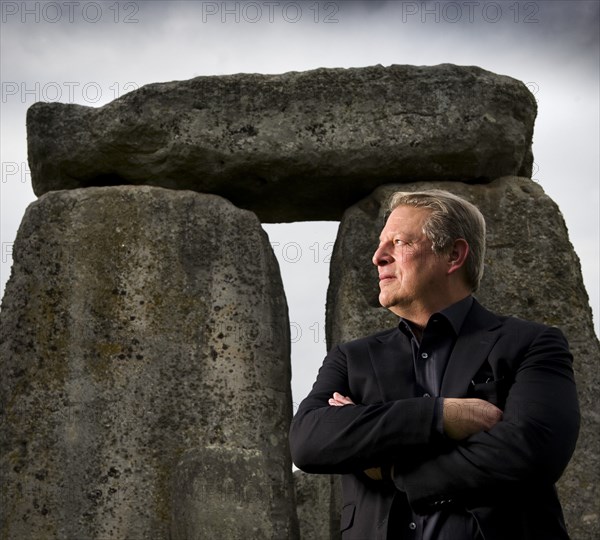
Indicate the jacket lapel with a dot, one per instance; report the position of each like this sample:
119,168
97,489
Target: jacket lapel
391,358
477,336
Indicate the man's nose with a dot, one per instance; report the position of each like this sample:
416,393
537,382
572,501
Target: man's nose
381,257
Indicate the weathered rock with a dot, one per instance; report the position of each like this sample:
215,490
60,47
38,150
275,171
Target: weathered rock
224,492
144,345
319,504
531,271
297,146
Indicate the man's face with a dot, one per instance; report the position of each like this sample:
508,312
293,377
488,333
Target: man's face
411,276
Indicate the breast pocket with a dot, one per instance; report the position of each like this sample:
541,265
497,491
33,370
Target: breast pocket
494,391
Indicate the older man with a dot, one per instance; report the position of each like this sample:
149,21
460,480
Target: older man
456,424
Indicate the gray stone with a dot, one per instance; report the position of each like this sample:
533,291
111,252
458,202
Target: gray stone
145,365
531,271
296,146
224,492
319,504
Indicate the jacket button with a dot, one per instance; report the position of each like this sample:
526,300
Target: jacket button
426,394
412,525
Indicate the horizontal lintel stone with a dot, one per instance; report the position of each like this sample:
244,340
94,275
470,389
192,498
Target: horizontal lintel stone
295,146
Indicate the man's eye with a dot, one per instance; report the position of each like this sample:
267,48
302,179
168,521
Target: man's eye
399,242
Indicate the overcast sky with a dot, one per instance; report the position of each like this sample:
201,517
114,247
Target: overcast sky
92,52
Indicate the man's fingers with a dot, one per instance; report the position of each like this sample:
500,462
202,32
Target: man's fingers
374,473
339,401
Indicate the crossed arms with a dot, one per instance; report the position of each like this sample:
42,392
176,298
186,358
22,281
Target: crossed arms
484,450
462,417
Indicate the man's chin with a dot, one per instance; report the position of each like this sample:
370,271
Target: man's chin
385,301
391,303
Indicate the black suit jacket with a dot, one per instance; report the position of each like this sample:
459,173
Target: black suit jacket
505,477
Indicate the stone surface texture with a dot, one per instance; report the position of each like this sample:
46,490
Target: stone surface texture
295,146
531,271
145,371
319,505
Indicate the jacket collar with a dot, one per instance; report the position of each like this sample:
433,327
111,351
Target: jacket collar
476,338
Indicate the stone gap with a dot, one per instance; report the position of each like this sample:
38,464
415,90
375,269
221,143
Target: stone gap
303,251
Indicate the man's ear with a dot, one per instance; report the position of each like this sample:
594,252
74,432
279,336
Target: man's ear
457,255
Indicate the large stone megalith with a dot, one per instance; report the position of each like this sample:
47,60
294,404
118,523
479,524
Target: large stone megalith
531,271
295,146
145,372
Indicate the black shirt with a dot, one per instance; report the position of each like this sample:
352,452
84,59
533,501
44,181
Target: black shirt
430,357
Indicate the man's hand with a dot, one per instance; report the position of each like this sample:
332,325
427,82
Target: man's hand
374,473
464,417
339,401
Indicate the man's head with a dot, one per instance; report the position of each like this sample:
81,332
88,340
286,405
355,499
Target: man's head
451,218
431,250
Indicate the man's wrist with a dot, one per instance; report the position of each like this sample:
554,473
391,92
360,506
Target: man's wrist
438,417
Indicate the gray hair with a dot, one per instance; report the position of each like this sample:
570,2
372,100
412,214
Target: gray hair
451,218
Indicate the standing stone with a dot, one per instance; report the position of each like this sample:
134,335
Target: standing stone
291,147
145,372
319,505
531,271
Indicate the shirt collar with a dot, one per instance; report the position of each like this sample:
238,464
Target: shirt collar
455,314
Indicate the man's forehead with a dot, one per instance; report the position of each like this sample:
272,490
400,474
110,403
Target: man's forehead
405,213
404,218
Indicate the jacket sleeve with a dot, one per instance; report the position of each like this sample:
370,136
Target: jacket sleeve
531,445
339,440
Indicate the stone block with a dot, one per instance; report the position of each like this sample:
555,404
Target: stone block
144,332
291,147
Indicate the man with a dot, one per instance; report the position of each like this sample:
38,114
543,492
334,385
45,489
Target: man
456,424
